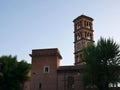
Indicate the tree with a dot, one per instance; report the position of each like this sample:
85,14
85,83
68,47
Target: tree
13,73
102,64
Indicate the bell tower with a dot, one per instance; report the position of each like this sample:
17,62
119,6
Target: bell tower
83,35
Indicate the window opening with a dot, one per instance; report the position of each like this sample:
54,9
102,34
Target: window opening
40,86
46,69
70,83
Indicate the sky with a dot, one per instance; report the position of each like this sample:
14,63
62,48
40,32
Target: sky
39,24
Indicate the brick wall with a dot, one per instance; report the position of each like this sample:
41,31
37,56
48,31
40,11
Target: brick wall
40,79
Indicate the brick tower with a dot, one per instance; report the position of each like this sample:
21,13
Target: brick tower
44,69
83,35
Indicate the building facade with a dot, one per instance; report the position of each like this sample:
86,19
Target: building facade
46,72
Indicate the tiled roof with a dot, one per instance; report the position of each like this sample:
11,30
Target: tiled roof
69,68
83,16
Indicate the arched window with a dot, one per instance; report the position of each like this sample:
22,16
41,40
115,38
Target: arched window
78,36
87,24
79,25
70,83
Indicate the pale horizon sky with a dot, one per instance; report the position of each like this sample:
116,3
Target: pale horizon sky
39,24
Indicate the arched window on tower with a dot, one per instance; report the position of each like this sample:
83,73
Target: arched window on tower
78,36
84,23
78,59
87,24
90,25
79,25
88,36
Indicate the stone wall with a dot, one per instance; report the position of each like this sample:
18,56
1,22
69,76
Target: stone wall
114,88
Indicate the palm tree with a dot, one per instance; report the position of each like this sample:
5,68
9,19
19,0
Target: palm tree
102,64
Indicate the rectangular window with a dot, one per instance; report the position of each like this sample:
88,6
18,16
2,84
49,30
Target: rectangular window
46,69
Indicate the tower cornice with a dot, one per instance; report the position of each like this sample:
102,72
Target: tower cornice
83,16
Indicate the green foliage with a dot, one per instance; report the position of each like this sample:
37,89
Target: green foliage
13,73
102,64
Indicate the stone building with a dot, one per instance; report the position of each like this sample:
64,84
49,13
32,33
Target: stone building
46,72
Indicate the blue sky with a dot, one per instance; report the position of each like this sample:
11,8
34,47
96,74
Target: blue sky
39,24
